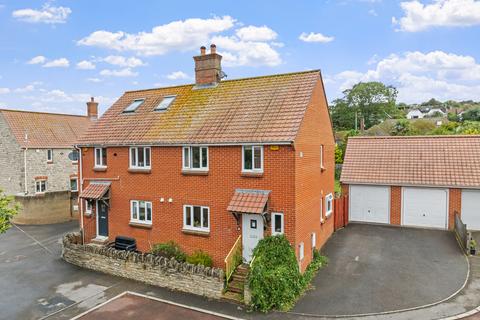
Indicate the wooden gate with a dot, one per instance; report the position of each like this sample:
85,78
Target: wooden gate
340,212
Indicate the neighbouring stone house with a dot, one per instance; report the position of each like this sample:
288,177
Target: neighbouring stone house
213,165
38,162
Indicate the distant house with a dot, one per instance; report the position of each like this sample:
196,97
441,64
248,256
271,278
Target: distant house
415,114
214,165
38,163
435,112
426,112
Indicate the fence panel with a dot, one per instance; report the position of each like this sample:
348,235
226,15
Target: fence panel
461,232
340,208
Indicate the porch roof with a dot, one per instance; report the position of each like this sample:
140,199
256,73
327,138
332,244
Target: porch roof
249,201
95,190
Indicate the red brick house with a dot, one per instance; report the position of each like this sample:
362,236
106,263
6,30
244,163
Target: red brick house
418,181
210,163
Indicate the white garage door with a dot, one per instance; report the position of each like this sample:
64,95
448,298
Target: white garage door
369,204
425,207
471,209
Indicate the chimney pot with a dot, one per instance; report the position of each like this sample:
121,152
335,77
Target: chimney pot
202,50
213,48
92,109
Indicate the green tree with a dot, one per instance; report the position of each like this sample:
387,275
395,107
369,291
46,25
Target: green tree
372,101
401,128
471,115
8,208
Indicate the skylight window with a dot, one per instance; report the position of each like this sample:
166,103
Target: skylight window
165,103
134,105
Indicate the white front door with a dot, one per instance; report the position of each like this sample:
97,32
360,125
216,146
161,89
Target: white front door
369,204
252,232
471,209
425,207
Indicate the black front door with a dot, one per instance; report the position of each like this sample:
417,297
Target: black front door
102,219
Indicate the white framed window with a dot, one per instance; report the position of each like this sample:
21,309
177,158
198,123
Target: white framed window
74,184
321,209
252,158
134,105
165,103
322,152
40,186
314,240
301,251
140,158
277,223
195,158
88,207
100,157
141,211
74,156
196,218
328,205
49,155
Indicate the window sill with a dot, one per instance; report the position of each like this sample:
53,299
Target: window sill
139,170
140,225
196,232
187,172
39,194
100,169
50,162
252,174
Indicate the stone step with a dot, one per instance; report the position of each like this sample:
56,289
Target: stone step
233,297
235,286
239,277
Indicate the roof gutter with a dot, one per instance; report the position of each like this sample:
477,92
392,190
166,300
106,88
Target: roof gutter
181,144
400,184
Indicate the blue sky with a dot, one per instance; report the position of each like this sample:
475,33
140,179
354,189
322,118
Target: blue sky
54,55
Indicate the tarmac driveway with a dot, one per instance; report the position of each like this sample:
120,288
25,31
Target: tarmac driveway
380,268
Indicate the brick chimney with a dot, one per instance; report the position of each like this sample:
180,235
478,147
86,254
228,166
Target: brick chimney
92,109
208,67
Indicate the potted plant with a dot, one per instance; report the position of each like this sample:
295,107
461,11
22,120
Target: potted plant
473,247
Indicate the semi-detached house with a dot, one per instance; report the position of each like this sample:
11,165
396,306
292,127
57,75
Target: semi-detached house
213,163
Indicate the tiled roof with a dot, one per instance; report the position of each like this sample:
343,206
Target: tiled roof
249,201
447,161
45,130
261,109
95,191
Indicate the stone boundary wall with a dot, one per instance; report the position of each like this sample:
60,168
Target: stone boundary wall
144,267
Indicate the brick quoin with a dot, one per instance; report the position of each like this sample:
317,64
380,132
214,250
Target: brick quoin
454,206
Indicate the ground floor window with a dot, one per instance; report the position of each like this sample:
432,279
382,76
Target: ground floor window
301,251
40,186
277,223
141,211
74,184
329,204
88,207
196,218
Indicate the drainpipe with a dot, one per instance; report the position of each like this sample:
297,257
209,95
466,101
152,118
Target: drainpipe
25,163
80,175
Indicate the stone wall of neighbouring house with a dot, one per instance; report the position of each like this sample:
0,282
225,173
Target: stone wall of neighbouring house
11,161
148,268
51,207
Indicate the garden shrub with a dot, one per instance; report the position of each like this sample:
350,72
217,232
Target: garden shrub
200,257
169,250
274,279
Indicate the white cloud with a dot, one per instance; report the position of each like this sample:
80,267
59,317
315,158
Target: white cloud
253,33
85,65
48,14
4,90
124,62
315,37
176,75
439,13
95,80
127,72
236,52
37,60
29,88
57,63
420,76
175,36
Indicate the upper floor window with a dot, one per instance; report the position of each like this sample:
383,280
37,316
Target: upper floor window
140,158
196,218
40,186
100,157
74,155
277,223
252,159
141,211
165,103
322,152
328,205
74,184
49,155
195,158
134,105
